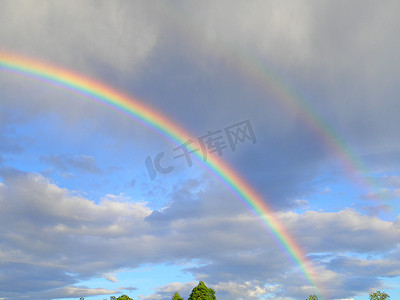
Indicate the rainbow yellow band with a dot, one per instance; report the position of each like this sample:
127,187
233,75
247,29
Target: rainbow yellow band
104,94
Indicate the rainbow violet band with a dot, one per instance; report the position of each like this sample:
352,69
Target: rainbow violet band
98,92
260,73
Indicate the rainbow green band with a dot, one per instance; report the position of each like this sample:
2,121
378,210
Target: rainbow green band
257,72
100,92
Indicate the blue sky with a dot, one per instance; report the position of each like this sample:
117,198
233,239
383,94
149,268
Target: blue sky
80,213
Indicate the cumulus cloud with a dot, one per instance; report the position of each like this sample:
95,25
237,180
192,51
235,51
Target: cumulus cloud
346,230
75,292
244,290
66,238
166,292
225,290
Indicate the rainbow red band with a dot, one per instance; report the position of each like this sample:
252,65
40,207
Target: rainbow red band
101,93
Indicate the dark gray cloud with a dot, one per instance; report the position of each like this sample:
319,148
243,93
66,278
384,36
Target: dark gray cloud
237,55
340,69
93,37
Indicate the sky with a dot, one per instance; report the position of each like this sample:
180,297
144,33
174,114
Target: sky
300,98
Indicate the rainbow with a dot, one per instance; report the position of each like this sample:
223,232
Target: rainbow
258,73
101,93
255,71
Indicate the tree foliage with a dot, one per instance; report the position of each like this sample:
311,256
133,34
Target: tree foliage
124,297
202,292
378,295
176,296
312,297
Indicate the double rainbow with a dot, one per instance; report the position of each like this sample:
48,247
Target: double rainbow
101,93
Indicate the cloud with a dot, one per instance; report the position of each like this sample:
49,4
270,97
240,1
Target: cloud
301,203
342,68
166,292
391,180
198,63
64,235
266,27
226,290
66,239
128,288
94,36
78,291
366,267
110,278
213,37
346,230
66,162
10,142
244,290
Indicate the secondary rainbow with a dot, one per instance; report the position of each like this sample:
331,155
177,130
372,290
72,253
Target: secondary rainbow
99,92
256,71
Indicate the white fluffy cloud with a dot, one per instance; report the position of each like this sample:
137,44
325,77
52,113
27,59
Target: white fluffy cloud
168,290
346,230
66,238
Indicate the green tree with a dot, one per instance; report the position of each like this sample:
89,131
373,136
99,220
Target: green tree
312,297
378,295
202,292
176,296
124,297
